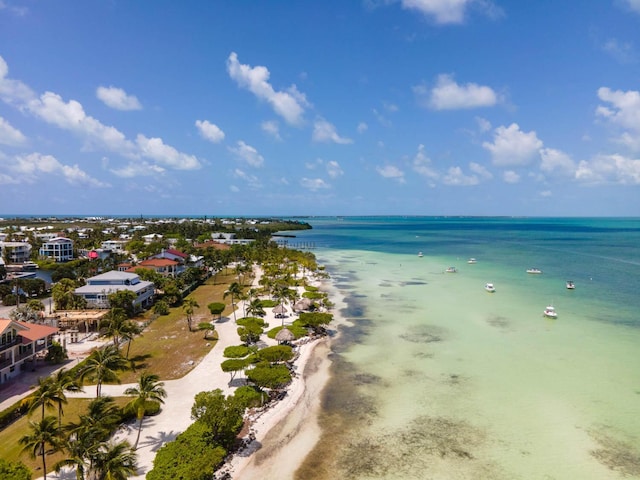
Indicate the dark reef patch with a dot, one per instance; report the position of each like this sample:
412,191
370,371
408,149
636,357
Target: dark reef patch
424,334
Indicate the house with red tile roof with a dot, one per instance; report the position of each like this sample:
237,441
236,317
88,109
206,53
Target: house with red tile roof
163,266
21,343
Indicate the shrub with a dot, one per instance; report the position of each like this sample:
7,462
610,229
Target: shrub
269,376
310,288
268,303
276,353
56,354
189,456
236,351
250,396
247,321
14,470
161,308
296,328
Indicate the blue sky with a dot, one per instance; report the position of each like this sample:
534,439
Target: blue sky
335,107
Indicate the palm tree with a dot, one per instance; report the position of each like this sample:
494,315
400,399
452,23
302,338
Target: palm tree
102,366
235,290
129,334
115,461
63,381
45,396
149,389
43,433
188,306
255,308
116,324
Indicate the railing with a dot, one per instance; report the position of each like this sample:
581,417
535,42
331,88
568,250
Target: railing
12,343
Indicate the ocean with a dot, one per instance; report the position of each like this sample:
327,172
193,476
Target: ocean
435,378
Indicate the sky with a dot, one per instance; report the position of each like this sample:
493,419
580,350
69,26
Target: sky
333,107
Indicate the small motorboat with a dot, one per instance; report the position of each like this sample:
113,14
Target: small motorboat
420,254
489,287
550,312
471,261
570,285
535,271
451,270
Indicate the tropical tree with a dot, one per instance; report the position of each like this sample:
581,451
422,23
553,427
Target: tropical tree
189,305
45,396
255,308
216,308
235,291
42,440
115,461
123,300
206,327
116,324
221,415
60,382
14,470
149,389
102,366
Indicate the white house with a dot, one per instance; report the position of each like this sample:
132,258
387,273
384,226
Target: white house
98,288
59,249
15,252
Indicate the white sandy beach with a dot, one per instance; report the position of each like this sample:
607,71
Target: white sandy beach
290,422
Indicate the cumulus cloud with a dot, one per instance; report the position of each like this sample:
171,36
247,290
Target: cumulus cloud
138,169
314,184
248,154
480,171
513,147
509,176
156,149
392,172
29,168
623,52
251,180
324,131
210,131
9,135
623,110
484,125
451,11
289,104
333,169
449,95
362,127
422,164
556,161
607,169
117,98
272,128
70,116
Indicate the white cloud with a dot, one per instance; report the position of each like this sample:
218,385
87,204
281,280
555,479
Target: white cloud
29,168
555,161
546,193
623,52
314,184
456,177
392,172
251,180
448,95
210,131
9,135
333,169
272,128
12,91
480,170
512,147
18,11
615,169
248,154
509,176
234,189
117,98
483,124
362,127
138,169
626,107
450,11
422,164
156,149
634,5
289,104
324,131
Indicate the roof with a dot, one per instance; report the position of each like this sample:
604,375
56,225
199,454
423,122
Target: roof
35,331
113,275
157,262
5,323
177,253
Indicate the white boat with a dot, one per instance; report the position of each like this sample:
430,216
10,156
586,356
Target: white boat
534,270
570,285
451,270
550,312
420,254
472,260
29,265
489,287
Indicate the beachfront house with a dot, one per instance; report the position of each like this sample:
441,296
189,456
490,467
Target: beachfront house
98,288
21,344
162,266
15,252
59,249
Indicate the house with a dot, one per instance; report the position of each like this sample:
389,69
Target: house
114,245
98,288
59,249
163,266
20,344
15,252
152,237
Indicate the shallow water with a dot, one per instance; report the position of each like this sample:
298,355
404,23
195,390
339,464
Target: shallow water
440,379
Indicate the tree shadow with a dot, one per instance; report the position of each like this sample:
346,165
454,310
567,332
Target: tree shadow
139,361
157,442
222,320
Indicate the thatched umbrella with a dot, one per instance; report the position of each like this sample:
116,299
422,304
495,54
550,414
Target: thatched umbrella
303,304
279,309
285,335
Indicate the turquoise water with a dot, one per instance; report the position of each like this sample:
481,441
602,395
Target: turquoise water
449,381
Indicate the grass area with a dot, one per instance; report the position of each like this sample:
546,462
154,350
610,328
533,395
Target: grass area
166,347
10,438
